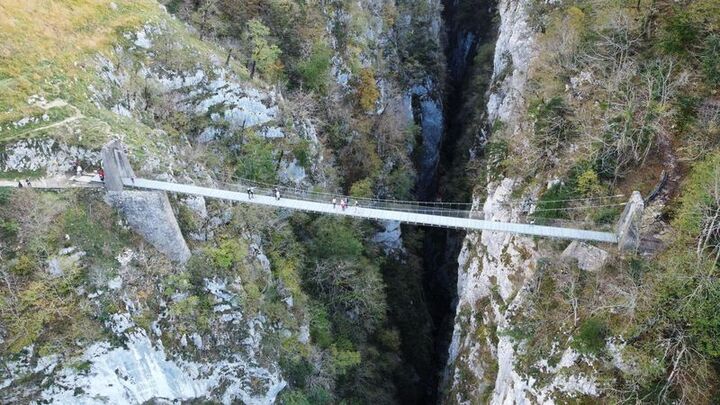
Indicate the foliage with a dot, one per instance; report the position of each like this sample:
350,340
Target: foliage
552,126
588,183
315,70
367,90
710,60
320,326
265,54
334,238
301,151
680,32
257,161
591,336
362,188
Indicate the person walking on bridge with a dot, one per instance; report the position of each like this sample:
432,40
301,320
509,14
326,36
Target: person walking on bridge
78,170
277,194
101,174
334,202
251,193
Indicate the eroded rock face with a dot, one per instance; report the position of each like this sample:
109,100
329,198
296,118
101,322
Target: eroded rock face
494,267
588,257
47,154
150,215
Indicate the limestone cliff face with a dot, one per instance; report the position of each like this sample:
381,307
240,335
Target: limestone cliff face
494,267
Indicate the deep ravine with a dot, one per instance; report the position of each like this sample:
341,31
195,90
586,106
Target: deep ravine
468,25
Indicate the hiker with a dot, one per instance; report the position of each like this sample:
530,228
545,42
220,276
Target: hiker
334,202
277,194
27,182
343,203
251,193
78,170
20,184
101,173
356,205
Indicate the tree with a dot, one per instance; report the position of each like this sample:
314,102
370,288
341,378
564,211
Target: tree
367,90
264,54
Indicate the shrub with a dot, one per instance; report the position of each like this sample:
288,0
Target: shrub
257,162
680,32
344,360
265,55
362,188
591,336
8,229
228,256
710,60
606,215
301,151
314,71
552,126
704,318
367,90
588,183
297,371
24,266
320,326
334,238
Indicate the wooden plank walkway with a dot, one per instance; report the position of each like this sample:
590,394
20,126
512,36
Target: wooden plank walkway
445,219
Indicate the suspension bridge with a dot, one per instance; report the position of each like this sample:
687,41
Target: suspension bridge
119,175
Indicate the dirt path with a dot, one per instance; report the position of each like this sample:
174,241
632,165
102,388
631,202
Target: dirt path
56,182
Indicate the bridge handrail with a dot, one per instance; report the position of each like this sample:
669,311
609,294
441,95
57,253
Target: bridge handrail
418,207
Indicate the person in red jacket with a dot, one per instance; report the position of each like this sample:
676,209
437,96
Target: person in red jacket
101,173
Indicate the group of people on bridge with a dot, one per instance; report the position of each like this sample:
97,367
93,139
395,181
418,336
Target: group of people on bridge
343,203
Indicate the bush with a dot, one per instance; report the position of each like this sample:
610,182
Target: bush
334,238
703,315
257,162
680,32
314,71
265,55
24,266
320,326
591,336
301,151
8,229
710,60
552,126
367,90
228,255
588,183
362,188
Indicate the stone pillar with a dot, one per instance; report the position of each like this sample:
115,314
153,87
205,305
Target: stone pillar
147,212
628,228
116,166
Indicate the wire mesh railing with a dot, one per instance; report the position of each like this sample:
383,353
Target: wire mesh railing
437,208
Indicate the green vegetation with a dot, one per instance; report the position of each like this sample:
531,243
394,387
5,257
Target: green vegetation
315,71
591,336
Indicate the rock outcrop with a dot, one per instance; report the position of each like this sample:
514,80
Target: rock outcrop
149,214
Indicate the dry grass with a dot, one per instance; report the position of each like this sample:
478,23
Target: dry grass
43,44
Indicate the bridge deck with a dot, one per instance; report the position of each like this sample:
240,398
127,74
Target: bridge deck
380,214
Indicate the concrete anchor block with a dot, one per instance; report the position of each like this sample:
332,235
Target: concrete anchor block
628,228
148,213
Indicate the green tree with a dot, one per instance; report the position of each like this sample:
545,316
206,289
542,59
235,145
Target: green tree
264,54
315,70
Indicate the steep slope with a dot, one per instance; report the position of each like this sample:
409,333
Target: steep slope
588,100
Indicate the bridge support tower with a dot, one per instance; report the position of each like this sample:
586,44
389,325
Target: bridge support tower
628,228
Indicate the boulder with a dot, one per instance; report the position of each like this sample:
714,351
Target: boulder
589,258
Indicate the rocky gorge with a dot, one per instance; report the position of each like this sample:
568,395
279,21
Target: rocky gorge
524,111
